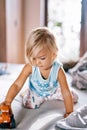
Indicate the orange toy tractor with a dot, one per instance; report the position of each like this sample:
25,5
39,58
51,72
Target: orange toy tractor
6,119
4,114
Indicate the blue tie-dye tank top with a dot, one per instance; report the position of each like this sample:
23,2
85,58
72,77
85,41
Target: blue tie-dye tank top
44,87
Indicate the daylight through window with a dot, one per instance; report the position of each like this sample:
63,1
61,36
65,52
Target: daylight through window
64,18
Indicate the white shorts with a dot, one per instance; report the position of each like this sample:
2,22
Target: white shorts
32,100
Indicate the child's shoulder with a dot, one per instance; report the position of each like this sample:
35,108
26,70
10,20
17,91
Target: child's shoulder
27,67
57,63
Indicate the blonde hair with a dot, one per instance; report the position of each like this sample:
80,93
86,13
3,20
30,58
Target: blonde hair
38,38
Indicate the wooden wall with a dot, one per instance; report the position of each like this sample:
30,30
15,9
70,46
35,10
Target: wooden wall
14,31
2,32
17,18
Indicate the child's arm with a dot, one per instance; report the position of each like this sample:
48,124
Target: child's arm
18,84
65,92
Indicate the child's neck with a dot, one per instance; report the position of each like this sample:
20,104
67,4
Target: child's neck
45,72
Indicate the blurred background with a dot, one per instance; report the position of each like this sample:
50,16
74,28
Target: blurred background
66,18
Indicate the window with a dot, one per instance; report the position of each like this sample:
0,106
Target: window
64,18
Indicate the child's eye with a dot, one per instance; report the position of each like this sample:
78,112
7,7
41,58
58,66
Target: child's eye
42,58
34,59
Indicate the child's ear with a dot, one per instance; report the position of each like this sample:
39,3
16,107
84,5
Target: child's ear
53,56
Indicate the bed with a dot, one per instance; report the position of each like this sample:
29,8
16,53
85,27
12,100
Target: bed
46,116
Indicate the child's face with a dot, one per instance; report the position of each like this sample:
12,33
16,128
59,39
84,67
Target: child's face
44,59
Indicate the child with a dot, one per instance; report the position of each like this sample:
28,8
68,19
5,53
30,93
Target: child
44,72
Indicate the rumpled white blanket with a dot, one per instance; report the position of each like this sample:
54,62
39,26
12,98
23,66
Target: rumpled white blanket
79,73
77,120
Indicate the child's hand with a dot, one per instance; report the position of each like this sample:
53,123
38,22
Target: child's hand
66,114
7,119
6,104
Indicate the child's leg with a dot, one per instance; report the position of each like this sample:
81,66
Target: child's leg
31,100
58,95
